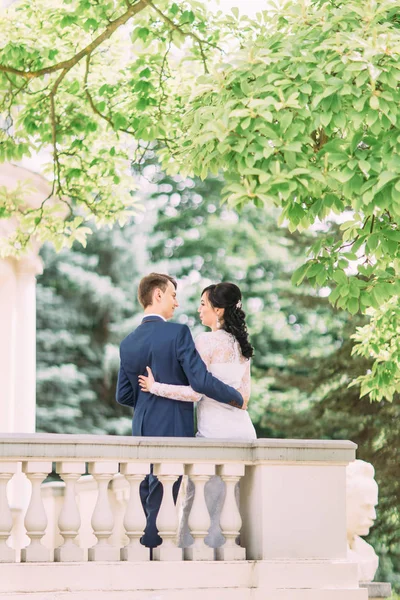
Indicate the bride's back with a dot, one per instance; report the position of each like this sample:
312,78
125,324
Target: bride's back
223,356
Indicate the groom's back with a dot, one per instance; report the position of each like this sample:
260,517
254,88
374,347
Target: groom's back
153,344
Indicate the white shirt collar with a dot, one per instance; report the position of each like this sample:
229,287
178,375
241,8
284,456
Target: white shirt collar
154,315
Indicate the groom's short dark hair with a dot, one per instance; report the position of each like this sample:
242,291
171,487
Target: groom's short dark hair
149,283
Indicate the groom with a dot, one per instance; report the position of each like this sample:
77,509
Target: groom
169,350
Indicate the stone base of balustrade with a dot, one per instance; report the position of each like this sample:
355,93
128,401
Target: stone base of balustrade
135,553
7,555
230,553
167,554
220,594
70,553
36,553
377,590
104,552
199,553
236,580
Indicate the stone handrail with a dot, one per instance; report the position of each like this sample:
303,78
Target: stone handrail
292,496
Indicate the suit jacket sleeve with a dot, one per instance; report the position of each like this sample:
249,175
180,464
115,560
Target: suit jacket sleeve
199,378
125,394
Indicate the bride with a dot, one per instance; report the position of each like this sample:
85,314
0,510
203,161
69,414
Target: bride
226,351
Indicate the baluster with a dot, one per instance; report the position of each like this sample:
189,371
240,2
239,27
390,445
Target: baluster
103,518
36,518
230,519
7,470
135,520
69,520
199,518
167,518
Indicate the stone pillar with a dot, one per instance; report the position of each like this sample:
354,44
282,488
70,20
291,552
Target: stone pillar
230,519
24,405
18,343
103,517
167,518
8,294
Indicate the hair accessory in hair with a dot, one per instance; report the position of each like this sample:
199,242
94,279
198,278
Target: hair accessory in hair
239,304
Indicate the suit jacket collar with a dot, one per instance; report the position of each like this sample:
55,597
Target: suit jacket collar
148,318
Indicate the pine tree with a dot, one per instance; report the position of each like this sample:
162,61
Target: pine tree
82,297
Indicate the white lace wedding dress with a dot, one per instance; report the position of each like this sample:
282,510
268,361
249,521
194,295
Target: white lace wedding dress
222,355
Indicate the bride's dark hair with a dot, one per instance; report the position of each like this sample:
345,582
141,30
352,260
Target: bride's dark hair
228,296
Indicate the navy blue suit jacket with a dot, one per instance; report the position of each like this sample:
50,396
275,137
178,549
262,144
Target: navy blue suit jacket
169,350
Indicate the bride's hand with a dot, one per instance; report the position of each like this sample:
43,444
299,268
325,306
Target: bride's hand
146,382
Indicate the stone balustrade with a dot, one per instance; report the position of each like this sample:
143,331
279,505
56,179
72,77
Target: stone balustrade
289,514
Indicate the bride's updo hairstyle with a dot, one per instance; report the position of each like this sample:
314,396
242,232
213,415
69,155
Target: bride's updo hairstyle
228,296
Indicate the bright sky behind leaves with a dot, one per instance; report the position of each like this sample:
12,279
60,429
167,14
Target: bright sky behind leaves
249,7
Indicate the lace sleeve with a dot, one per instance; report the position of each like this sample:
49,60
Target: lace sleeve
183,393
245,386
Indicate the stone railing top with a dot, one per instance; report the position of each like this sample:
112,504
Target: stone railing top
58,447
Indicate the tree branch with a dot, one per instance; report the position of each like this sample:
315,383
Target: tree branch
53,120
92,104
68,64
176,27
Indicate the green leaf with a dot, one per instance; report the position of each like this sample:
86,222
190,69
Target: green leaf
74,87
68,20
90,24
334,295
352,305
340,277
294,146
300,273
374,102
143,33
385,177
306,88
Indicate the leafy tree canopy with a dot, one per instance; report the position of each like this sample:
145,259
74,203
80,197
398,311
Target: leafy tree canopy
89,83
305,116
299,108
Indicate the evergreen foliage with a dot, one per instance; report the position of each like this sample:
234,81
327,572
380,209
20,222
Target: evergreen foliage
82,297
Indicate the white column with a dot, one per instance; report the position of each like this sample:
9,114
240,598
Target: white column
167,518
103,518
199,518
35,518
69,520
135,520
230,519
24,403
7,470
8,299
